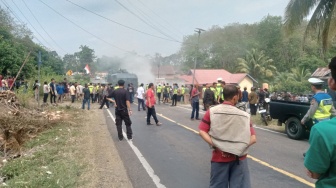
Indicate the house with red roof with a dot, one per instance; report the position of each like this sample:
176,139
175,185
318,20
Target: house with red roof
205,76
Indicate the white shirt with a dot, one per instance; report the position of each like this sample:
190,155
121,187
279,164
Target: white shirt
72,90
46,88
80,89
140,92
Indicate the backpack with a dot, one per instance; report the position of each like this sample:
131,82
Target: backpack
34,87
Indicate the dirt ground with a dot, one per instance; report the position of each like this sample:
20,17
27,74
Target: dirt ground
105,168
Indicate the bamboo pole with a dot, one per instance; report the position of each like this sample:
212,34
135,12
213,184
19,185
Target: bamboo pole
25,61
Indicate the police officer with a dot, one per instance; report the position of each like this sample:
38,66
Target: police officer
91,91
321,107
158,92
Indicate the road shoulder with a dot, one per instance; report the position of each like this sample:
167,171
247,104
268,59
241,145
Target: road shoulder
105,167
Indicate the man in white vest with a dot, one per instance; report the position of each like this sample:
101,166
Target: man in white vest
229,132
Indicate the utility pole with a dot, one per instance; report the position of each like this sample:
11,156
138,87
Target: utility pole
197,30
39,81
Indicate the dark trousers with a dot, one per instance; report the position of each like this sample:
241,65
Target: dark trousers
253,109
142,103
120,116
195,108
105,101
132,97
151,112
73,97
52,98
45,97
86,101
174,99
230,174
159,97
96,97
92,97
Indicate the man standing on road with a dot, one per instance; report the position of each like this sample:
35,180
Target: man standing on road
104,95
140,96
230,140
130,89
150,102
86,97
195,102
158,92
253,100
208,97
321,155
91,91
245,97
321,106
174,98
123,110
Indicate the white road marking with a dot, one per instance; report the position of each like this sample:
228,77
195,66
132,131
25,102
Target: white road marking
142,159
268,130
251,157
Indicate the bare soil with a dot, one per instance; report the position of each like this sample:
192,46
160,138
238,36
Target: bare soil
97,149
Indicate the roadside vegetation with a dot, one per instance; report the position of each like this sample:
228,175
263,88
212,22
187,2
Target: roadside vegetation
38,149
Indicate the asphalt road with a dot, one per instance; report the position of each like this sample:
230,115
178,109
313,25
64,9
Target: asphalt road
173,155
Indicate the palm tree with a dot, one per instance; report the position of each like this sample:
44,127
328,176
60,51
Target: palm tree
322,22
257,64
299,75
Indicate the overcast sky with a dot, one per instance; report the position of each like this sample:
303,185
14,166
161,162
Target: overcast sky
168,19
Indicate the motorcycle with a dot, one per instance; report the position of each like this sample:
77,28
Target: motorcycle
263,110
241,106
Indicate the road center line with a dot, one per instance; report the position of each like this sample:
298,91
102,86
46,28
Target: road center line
253,158
142,159
264,129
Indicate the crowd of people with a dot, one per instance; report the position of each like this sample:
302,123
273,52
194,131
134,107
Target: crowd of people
229,164
10,83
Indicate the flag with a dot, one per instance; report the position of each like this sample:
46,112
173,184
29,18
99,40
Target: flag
87,69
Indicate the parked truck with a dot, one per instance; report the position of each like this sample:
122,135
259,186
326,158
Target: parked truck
290,113
129,78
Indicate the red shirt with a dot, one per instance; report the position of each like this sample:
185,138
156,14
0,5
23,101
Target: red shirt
10,82
151,96
218,155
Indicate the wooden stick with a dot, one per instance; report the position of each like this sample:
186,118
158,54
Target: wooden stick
25,61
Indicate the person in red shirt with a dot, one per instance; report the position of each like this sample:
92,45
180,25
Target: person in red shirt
10,82
150,102
227,170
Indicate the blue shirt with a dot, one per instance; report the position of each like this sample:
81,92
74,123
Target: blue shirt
245,96
60,90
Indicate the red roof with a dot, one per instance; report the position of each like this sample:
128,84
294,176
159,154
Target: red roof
204,76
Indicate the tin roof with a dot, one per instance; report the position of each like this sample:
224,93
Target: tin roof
321,72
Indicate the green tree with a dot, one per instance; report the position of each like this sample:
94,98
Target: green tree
322,22
258,65
71,62
85,56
